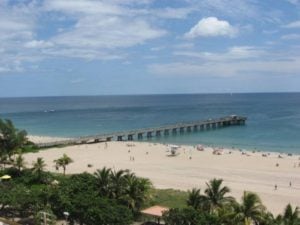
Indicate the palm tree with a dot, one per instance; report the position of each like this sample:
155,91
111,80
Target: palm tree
215,195
11,139
20,162
290,216
269,219
63,162
136,192
103,178
39,166
195,199
118,183
251,210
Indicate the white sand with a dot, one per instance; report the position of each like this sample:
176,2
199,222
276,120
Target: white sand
45,139
240,172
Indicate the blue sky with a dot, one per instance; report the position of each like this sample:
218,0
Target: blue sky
94,47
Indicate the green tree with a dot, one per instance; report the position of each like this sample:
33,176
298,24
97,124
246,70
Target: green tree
107,212
11,139
20,162
118,183
73,194
215,195
63,162
103,179
290,216
189,216
251,210
45,216
39,167
195,199
136,192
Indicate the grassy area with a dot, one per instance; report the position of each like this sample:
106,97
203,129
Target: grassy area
30,148
168,197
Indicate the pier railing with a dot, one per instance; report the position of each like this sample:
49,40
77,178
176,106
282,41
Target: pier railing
153,132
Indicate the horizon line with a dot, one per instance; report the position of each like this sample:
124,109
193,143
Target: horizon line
153,94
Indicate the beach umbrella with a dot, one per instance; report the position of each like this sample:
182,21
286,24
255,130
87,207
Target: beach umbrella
5,177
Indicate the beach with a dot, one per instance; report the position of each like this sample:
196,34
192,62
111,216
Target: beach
45,139
240,170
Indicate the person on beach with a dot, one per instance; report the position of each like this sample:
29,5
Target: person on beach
275,187
290,183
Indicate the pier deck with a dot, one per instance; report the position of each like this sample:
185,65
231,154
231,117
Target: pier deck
148,133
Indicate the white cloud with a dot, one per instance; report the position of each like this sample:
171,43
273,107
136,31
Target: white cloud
211,27
236,61
295,24
83,7
107,32
235,9
239,10
17,26
172,13
291,37
38,44
101,26
233,53
227,69
82,53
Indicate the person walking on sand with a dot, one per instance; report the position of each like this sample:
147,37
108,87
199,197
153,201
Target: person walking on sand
290,183
275,187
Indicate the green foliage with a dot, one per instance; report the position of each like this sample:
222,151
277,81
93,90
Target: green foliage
38,168
189,216
290,216
20,162
116,197
11,139
45,216
108,212
250,209
63,162
123,186
195,199
79,195
30,148
215,195
103,180
168,197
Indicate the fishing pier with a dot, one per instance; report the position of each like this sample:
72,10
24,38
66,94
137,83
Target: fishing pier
148,133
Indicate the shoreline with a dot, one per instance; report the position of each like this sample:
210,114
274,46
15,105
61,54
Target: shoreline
241,170
46,139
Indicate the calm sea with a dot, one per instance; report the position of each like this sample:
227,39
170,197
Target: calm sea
273,119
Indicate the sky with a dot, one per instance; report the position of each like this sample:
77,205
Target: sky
112,47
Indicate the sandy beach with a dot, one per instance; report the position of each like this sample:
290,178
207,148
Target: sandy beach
191,168
44,139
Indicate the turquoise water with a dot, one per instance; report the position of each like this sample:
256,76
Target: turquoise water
273,119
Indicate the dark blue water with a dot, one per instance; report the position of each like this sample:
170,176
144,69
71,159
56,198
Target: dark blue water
273,119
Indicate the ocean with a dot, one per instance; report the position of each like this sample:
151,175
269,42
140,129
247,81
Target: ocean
273,118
